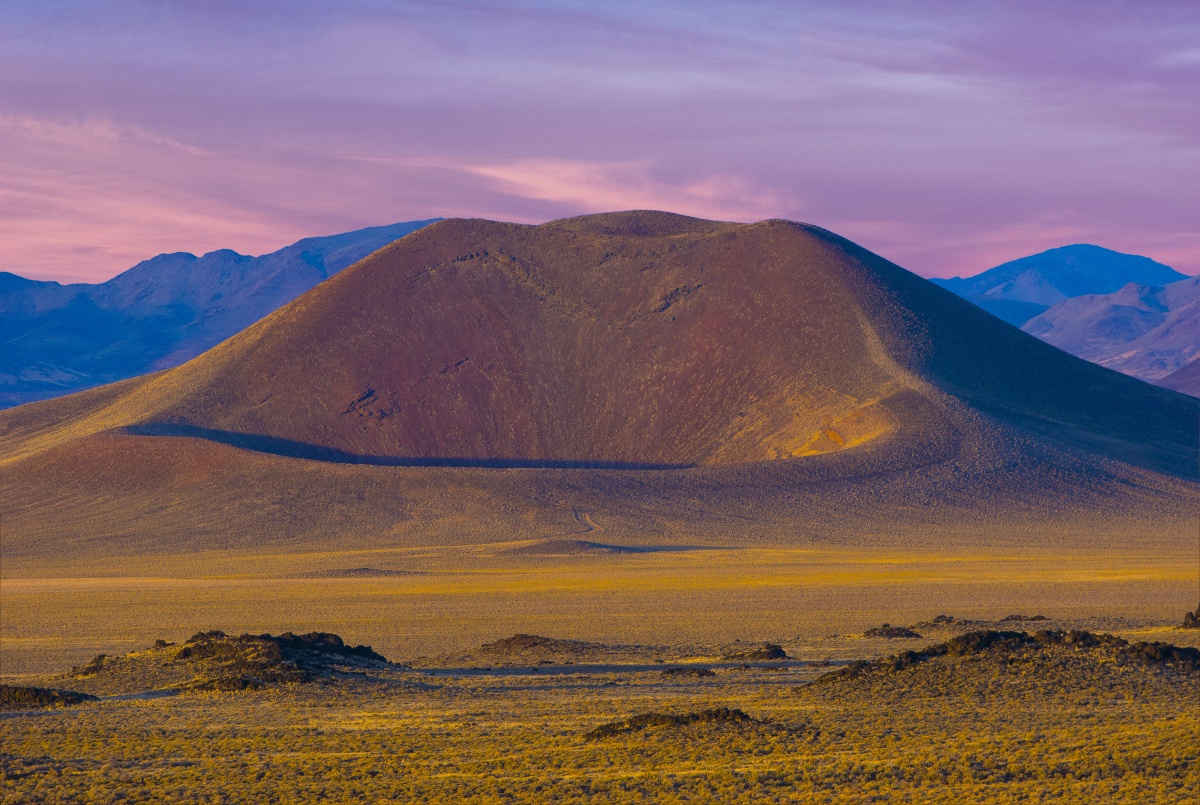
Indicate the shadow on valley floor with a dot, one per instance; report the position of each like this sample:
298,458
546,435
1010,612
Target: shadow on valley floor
577,547
296,449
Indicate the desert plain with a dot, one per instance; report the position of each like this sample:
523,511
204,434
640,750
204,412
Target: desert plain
622,505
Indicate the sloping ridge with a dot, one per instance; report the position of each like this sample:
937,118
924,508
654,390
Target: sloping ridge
625,340
1186,380
1021,289
1141,330
158,314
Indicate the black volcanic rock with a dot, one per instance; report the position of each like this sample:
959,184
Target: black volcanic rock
767,651
213,660
891,632
19,697
1000,645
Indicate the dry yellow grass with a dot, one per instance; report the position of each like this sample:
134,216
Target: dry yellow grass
411,737
458,598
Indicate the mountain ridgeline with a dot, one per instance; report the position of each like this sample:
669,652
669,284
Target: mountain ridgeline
634,339
160,313
1120,311
628,364
1145,331
1021,289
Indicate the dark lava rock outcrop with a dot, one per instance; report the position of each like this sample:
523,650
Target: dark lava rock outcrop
891,632
1002,645
682,672
19,697
716,715
767,651
216,661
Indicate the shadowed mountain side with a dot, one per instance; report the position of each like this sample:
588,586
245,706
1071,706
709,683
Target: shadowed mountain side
1144,331
1011,375
1186,380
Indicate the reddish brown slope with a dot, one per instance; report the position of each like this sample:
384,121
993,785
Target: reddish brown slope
631,339
634,339
552,344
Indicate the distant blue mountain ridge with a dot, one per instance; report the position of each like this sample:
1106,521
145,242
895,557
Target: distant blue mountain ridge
1122,311
1019,290
56,339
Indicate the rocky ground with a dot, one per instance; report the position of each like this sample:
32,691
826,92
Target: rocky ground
982,715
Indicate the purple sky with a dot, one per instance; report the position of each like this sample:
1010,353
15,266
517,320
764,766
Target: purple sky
948,137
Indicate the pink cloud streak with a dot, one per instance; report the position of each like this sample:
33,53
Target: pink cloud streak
947,138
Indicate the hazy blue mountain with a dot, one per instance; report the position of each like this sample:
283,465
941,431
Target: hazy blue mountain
55,339
1019,290
1186,379
1146,331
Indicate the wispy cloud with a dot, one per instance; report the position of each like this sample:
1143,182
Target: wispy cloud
596,187
944,136
90,134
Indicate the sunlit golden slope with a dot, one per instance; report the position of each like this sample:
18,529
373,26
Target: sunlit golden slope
645,364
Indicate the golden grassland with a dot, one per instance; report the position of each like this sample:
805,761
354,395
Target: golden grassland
979,732
59,615
439,736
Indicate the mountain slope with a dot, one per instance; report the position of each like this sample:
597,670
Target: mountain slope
1185,379
158,314
1021,289
1144,331
699,374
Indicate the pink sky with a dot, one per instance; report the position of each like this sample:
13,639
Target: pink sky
946,138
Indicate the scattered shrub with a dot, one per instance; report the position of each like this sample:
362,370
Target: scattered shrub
716,715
